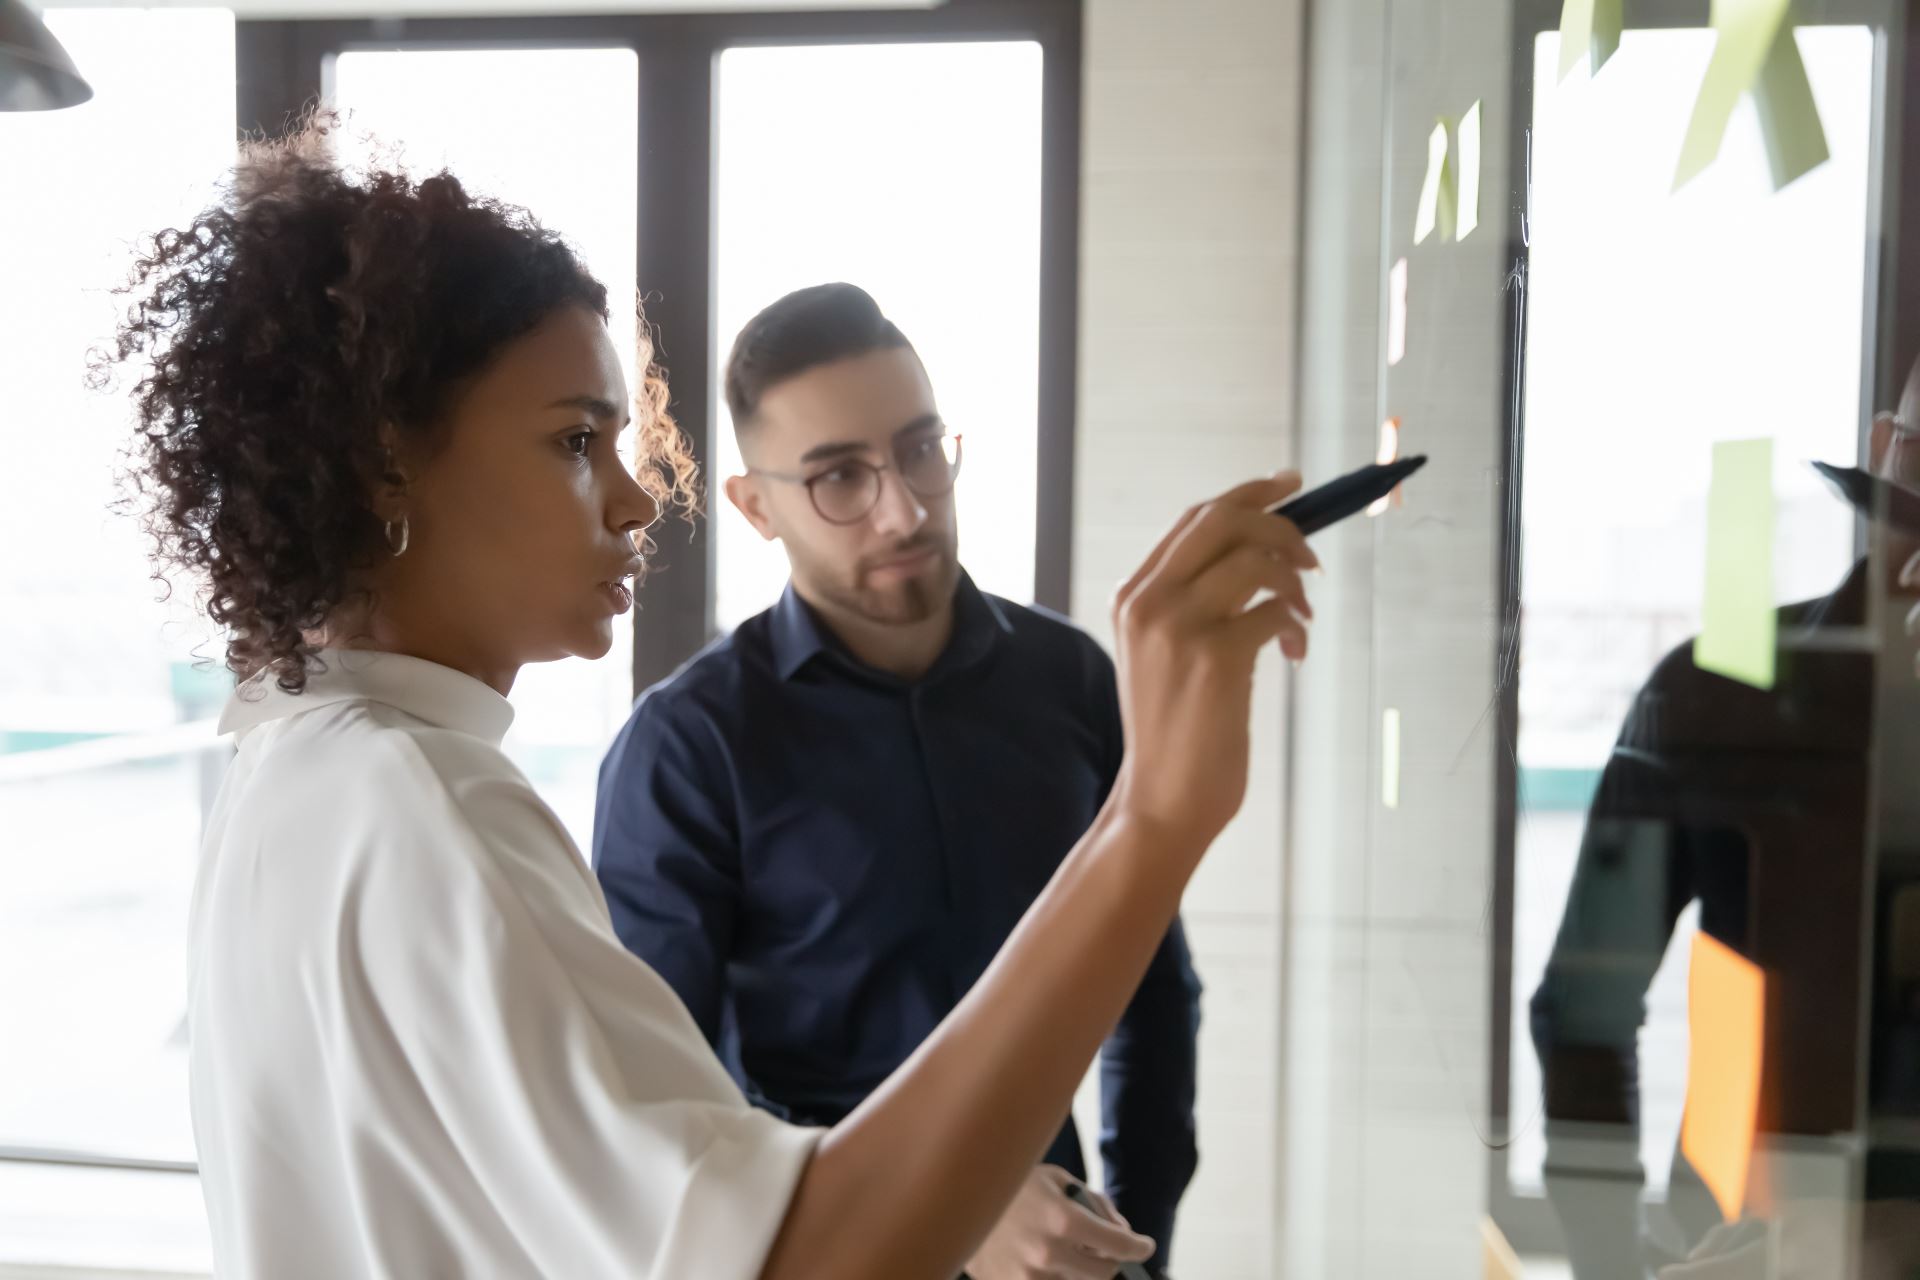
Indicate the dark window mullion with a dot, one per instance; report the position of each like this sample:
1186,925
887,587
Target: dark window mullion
1059,308
276,76
674,617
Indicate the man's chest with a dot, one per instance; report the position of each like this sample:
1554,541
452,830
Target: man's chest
895,810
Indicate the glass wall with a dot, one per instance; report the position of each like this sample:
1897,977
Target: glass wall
1602,895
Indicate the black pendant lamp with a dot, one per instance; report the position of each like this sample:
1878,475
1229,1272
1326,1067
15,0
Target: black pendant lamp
35,72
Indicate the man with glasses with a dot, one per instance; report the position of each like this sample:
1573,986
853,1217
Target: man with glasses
822,829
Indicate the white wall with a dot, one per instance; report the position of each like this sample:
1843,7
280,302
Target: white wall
1389,924
1190,173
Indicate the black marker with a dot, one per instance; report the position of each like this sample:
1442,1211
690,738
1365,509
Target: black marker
1874,497
1078,1194
1335,500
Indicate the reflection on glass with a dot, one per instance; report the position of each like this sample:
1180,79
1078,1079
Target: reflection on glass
1754,804
888,167
1658,324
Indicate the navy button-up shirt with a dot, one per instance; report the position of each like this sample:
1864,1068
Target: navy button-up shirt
822,858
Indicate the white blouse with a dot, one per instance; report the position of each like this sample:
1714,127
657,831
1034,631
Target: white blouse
418,1049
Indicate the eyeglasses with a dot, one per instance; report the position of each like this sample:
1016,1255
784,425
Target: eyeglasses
849,490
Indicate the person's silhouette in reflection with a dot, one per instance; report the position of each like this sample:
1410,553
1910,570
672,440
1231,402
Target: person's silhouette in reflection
1676,821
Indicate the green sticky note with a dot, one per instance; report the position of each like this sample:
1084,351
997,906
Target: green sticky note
1437,197
1469,139
1745,30
1589,32
1737,630
1789,120
1755,53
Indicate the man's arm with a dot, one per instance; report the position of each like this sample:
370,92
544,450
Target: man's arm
1148,1072
667,854
1586,1019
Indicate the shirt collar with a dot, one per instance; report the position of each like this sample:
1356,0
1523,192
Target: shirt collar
798,636
978,625
425,690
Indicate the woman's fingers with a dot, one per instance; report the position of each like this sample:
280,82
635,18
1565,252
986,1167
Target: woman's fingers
1177,556
1238,516
1231,582
1268,621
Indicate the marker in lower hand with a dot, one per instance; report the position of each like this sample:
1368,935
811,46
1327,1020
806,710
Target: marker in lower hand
1337,499
1078,1194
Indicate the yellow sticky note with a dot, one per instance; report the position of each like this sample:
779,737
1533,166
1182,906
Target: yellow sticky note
1437,200
1737,629
1469,138
1589,32
1755,53
1397,313
1390,757
1726,1025
1789,119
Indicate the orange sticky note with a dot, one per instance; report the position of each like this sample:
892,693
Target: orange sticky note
1389,451
1726,1019
1498,1260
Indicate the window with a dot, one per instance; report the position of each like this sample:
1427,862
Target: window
107,754
108,758
842,162
553,130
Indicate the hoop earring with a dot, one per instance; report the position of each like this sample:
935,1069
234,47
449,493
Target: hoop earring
398,545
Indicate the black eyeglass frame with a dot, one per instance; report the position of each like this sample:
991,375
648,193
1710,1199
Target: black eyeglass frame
875,472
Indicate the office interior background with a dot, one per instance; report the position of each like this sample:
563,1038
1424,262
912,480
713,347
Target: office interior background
1146,249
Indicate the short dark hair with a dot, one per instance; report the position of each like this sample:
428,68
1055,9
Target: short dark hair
804,330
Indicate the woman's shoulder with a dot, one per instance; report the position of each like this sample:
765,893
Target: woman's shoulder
351,779
377,754
358,812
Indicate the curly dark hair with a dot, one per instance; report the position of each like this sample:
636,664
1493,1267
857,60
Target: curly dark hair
281,337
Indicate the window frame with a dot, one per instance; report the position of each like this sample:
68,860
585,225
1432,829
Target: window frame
279,72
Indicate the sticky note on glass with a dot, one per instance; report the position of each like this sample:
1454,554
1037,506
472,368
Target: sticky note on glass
1498,1261
1737,629
1589,33
1437,197
1726,1024
1390,757
1468,135
1397,313
1755,53
1389,451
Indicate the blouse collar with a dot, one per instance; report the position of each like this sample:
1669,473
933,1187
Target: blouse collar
425,690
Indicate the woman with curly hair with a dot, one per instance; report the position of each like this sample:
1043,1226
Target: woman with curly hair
378,419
